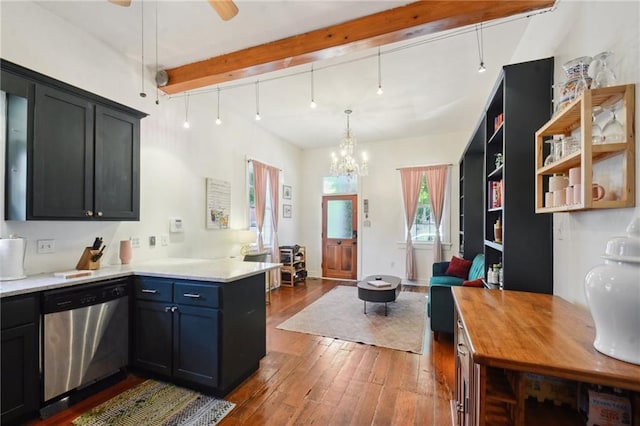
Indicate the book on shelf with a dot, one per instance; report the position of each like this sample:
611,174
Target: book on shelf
495,194
379,283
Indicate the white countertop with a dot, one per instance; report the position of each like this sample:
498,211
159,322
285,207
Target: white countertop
218,270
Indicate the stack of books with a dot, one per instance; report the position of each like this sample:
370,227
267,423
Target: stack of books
379,283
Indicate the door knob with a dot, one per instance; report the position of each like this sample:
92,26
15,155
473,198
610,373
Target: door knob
99,214
88,213
339,242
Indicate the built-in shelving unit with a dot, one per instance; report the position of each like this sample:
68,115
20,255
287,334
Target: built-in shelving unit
472,190
519,104
577,120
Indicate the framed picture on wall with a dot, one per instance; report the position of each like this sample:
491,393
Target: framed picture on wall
286,210
286,192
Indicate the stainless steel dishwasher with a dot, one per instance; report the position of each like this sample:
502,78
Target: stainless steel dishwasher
85,335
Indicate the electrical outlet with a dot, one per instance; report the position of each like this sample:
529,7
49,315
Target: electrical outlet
46,246
135,242
164,240
152,241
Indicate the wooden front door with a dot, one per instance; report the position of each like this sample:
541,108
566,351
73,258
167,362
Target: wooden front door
340,236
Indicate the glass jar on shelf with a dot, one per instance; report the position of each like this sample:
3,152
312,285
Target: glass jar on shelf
570,145
557,148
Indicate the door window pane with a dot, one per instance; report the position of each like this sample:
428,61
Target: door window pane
340,185
339,219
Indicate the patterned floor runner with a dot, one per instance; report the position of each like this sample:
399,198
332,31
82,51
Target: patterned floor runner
157,403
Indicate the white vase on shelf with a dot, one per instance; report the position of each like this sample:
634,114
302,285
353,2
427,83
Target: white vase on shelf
613,296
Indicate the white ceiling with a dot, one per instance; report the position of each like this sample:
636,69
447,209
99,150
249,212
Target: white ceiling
431,85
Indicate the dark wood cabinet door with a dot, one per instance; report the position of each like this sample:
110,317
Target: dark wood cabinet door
152,336
62,156
19,359
195,344
117,165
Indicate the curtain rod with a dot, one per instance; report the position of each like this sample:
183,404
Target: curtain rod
267,164
424,165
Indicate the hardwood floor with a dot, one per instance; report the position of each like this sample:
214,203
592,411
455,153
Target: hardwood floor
306,379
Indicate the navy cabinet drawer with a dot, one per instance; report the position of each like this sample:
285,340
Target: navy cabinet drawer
18,310
189,293
157,289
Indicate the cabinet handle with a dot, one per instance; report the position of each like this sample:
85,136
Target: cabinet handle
460,326
174,308
88,213
459,407
146,290
99,214
191,295
168,309
461,351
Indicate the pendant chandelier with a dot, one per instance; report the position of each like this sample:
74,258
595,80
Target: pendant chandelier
344,163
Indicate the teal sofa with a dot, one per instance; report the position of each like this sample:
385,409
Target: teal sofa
440,304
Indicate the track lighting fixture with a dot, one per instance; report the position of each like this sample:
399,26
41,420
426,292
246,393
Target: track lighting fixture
157,68
218,121
379,92
186,124
142,92
313,101
480,40
258,118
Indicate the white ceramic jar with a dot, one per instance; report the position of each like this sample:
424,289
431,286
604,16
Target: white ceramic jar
613,296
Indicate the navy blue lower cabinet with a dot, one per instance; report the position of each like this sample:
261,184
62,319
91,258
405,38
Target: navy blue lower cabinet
20,393
153,325
207,334
195,345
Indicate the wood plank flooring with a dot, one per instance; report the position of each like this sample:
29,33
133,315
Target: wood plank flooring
306,379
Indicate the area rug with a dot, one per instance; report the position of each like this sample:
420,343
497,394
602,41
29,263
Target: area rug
339,314
157,403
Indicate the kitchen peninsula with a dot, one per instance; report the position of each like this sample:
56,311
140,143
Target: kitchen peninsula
196,322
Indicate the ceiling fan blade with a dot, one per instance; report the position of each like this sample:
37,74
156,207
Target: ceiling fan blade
225,8
125,3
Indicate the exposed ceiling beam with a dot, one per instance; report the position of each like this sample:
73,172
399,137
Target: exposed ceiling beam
402,23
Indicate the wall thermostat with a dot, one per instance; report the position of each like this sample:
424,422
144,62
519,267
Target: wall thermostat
175,225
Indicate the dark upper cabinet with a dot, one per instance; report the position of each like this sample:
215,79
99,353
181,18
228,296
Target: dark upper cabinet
117,165
62,155
82,152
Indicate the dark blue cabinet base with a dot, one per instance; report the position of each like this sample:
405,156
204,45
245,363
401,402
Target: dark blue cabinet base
206,335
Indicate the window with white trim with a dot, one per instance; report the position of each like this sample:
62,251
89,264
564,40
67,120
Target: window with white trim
424,225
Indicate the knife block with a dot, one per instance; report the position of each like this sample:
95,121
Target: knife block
85,261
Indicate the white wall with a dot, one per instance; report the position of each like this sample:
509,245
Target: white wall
381,246
174,161
579,28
